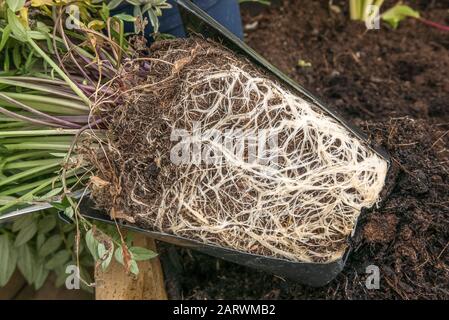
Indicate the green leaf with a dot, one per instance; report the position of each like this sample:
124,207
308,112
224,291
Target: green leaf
92,244
12,263
44,29
58,206
107,261
137,12
50,194
29,61
61,276
5,36
47,223
129,239
50,245
37,35
158,3
6,63
26,262
69,212
141,254
87,260
134,2
125,17
58,259
114,4
398,13
15,5
70,240
119,255
104,11
40,240
18,30
67,227
119,258
22,222
154,20
105,254
66,201
101,250
147,7
8,259
41,276
134,268
16,57
26,234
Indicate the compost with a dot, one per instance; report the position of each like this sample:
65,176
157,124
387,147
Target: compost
394,85
205,146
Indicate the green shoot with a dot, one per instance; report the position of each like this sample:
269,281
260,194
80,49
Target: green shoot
397,14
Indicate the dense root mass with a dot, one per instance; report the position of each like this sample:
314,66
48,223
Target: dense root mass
205,146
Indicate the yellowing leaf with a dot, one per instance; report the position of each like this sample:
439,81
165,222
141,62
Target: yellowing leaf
98,182
17,27
96,25
23,16
40,3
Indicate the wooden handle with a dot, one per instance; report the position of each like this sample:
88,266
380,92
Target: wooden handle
115,284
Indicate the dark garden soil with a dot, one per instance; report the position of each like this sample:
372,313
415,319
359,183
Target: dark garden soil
395,86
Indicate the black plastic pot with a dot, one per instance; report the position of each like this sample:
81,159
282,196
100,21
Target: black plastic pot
314,274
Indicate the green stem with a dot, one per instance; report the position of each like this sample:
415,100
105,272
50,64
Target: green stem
6,200
26,155
26,187
39,114
7,119
52,109
29,133
365,10
11,125
27,173
36,87
37,146
40,174
31,164
354,9
72,85
72,182
22,117
50,100
41,78
43,139
26,198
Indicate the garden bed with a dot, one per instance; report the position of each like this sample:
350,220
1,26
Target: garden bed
395,86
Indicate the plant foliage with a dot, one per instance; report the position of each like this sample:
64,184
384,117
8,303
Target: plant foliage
49,75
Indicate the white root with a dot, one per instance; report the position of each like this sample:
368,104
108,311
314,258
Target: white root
301,206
